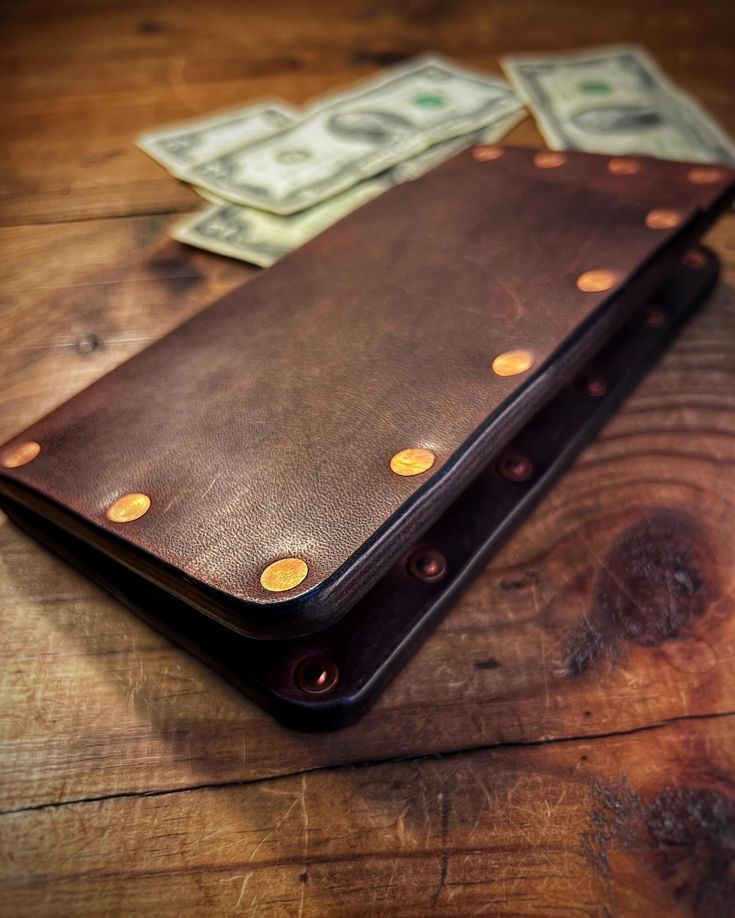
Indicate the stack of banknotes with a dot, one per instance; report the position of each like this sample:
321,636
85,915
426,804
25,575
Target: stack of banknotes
275,176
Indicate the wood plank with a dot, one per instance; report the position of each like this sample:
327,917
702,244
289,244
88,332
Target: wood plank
629,825
197,803
75,93
78,299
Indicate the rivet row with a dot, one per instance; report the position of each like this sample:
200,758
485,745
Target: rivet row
617,165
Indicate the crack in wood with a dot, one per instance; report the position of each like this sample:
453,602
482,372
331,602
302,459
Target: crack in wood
369,763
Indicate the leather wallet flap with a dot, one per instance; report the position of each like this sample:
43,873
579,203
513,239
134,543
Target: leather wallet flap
274,424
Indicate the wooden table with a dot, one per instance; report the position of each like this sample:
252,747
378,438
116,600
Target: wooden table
549,749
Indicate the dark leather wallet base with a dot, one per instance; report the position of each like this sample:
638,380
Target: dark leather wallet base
329,679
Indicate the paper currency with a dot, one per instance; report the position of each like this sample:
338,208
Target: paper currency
615,100
262,238
180,146
208,195
355,135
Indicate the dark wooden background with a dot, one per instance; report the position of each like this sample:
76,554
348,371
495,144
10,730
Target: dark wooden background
548,750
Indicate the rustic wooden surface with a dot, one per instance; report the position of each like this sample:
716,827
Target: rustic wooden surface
564,742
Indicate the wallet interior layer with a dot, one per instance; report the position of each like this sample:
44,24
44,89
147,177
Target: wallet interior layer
252,464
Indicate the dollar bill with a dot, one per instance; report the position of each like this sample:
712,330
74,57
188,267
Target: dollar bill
615,100
355,135
262,238
180,146
208,195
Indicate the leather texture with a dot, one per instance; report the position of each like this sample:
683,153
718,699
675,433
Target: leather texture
263,428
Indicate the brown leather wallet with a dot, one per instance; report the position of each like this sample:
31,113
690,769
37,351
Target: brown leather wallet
269,469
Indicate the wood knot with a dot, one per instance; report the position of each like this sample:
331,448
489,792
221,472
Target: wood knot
692,836
684,833
656,583
659,578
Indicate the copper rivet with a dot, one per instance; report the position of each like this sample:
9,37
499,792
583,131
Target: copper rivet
129,507
511,363
21,454
515,467
412,461
486,153
427,564
694,259
316,675
597,281
546,160
663,219
596,386
621,165
284,574
705,175
654,317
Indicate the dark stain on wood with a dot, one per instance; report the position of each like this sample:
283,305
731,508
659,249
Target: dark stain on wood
513,582
387,58
616,824
444,859
586,645
86,344
685,834
430,10
692,837
176,271
657,582
658,579
275,65
490,663
105,156
150,27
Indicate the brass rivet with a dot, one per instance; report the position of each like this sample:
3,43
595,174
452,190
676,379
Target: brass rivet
597,281
704,175
511,363
413,461
21,454
694,259
284,574
622,165
547,160
663,219
485,153
129,507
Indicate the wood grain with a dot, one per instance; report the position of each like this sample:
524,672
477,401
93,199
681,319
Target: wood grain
513,831
570,726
